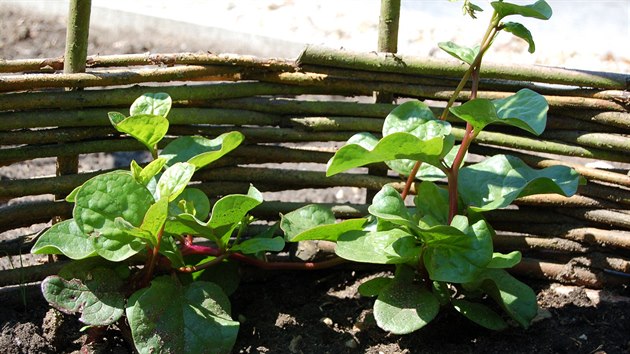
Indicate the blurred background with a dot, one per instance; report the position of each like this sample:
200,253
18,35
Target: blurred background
581,34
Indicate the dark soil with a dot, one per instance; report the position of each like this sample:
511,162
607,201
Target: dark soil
308,312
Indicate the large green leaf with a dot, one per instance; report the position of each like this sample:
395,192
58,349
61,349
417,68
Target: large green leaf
100,201
381,247
457,254
480,314
200,151
525,109
158,103
522,32
170,318
540,9
417,119
402,308
516,298
392,147
305,218
146,128
174,180
465,54
496,182
66,238
97,296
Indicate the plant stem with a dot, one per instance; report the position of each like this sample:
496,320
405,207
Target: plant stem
205,265
155,253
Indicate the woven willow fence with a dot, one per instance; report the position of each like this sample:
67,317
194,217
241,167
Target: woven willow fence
290,111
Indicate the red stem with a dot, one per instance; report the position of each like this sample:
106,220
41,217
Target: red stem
154,255
410,179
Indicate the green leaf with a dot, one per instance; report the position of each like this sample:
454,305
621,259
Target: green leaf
329,232
98,297
228,212
150,171
305,218
200,151
170,249
374,286
380,247
496,182
522,32
402,308
115,117
100,201
480,314
146,128
525,109
454,255
432,204
158,104
389,206
257,244
540,9
431,173
441,292
66,238
516,298
155,218
71,197
465,54
500,260
392,147
417,119
174,180
226,274
170,318
192,201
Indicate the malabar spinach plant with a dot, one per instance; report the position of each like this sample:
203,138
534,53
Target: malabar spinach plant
442,247
131,239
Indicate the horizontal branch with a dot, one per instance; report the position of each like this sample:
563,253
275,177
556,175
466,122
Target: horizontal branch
570,273
588,235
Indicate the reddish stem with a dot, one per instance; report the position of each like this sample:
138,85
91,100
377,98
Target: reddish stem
410,179
153,256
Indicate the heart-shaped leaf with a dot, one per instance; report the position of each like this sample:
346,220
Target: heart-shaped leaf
417,119
496,182
170,318
465,54
158,104
522,32
305,218
381,247
65,238
200,151
98,296
540,9
146,128
402,308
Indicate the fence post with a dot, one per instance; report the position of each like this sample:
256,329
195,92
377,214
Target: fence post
388,24
77,33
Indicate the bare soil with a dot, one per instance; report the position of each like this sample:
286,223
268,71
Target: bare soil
306,312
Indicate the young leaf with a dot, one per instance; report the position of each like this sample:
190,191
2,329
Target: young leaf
454,255
329,232
402,308
174,180
480,314
500,260
496,182
380,247
257,244
525,109
158,104
100,201
389,206
71,197
305,218
150,171
98,297
392,147
516,298
374,286
170,318
522,32
465,54
115,118
155,218
146,128
228,212
200,151
66,238
191,201
540,9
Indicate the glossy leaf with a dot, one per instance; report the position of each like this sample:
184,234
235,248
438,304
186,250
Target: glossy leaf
150,171
389,206
155,218
158,104
392,147
305,218
65,238
200,151
374,286
480,314
465,54
230,210
525,109
100,201
496,182
500,260
192,201
522,32
329,232
431,204
417,119
516,298
540,9
98,297
174,180
457,255
170,318
260,244
146,128
402,308
381,247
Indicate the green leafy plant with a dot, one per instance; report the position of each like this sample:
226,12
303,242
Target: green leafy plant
132,239
442,247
